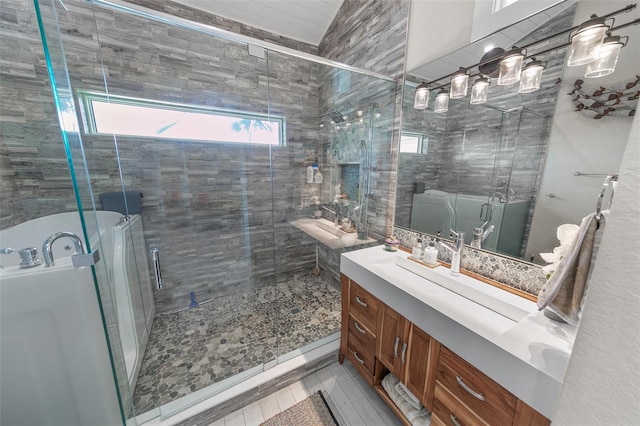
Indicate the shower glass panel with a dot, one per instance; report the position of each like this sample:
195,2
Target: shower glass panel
355,123
206,204
96,229
473,137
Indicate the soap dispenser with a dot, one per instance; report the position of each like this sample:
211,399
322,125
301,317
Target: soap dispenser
317,178
417,250
431,254
310,174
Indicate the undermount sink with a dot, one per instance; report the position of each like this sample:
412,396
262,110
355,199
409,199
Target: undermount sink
492,298
329,226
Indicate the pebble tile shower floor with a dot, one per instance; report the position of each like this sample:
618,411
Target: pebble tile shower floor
194,348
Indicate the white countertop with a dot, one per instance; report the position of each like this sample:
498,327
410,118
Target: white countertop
527,357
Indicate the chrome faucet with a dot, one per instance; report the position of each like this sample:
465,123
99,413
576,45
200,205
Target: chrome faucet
46,247
479,235
456,251
336,220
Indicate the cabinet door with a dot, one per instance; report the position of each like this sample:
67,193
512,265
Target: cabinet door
391,341
417,362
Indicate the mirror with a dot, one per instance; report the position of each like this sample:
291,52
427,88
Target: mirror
487,168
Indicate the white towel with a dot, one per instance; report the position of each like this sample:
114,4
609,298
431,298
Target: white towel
564,292
420,417
408,396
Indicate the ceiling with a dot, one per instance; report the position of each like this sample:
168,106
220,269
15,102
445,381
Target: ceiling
302,20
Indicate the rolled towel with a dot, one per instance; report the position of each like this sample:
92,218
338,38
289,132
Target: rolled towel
408,396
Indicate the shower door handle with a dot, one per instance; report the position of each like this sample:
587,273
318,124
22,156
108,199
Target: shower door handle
155,256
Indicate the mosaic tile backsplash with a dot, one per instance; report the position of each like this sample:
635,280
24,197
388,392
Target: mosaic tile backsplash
520,275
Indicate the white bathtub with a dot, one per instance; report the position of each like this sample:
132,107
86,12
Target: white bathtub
438,211
54,361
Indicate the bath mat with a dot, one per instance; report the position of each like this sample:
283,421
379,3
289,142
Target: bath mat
312,411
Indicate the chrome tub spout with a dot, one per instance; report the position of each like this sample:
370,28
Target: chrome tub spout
48,243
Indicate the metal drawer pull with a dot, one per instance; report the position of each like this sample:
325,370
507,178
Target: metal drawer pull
404,351
364,304
454,420
360,360
395,347
360,329
468,389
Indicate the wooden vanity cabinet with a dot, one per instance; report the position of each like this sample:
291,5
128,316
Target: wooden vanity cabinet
392,343
377,339
405,351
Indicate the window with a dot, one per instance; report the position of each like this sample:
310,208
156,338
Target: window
415,143
147,118
501,4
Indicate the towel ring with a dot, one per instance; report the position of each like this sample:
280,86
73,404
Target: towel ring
608,182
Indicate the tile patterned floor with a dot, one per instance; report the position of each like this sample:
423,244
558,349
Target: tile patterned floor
192,349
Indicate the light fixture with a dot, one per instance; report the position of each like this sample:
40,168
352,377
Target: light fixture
510,67
459,84
607,57
442,102
586,41
422,96
587,44
531,76
479,91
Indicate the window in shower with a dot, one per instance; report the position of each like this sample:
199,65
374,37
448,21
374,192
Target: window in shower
108,114
415,143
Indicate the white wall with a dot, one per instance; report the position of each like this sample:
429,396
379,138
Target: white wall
436,28
580,143
485,22
602,384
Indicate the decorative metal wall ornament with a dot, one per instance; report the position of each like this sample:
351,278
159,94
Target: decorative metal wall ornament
620,101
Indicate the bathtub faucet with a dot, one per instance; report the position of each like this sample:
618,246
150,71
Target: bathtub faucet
46,247
480,234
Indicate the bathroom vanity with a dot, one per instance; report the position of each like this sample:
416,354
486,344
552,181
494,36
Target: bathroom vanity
470,352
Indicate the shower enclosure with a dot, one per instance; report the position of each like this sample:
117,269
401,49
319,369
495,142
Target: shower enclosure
215,130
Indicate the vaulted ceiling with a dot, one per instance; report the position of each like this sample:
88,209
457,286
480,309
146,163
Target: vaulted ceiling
303,20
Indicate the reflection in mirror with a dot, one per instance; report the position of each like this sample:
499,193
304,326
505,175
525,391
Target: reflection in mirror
482,169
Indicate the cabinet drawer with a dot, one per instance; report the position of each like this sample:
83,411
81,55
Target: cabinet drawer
362,335
363,306
360,356
451,412
487,399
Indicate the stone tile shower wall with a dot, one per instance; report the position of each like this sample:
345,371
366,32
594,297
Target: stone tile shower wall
207,207
34,178
372,34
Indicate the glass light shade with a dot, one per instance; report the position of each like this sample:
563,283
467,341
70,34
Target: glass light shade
607,58
422,96
586,41
531,77
510,68
459,85
442,102
479,91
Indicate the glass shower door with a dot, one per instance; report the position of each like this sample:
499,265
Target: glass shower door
114,401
